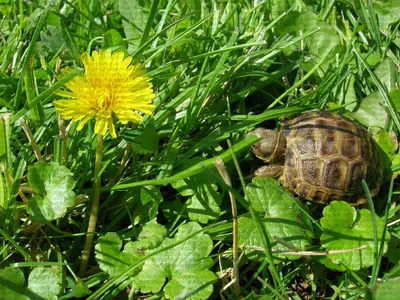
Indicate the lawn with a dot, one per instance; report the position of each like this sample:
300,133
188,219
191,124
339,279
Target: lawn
126,168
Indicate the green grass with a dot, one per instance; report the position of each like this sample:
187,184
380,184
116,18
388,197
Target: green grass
218,69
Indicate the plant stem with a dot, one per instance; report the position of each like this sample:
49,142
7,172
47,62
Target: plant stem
94,210
31,139
219,164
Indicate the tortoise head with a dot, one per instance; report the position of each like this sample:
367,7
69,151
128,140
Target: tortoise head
271,146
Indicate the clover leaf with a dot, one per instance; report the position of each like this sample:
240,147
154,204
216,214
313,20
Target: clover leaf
347,228
282,217
112,260
52,184
184,266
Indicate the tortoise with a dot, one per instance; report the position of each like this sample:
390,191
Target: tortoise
321,157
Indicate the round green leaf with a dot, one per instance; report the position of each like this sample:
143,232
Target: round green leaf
347,228
195,283
393,253
108,249
282,218
185,265
44,282
12,284
151,196
370,112
53,185
387,11
386,142
152,235
388,290
204,205
108,254
112,38
205,200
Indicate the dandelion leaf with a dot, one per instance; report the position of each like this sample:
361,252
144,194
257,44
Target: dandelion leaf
133,12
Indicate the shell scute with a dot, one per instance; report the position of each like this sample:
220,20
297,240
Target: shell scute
329,146
365,149
311,169
335,173
357,172
305,143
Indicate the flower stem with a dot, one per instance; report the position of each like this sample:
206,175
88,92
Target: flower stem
94,210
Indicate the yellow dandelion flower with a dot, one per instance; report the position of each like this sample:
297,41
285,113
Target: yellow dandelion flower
110,86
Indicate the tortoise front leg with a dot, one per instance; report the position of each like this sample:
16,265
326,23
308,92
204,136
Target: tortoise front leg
272,171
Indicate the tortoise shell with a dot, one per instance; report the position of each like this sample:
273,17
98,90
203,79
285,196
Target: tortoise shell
327,157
